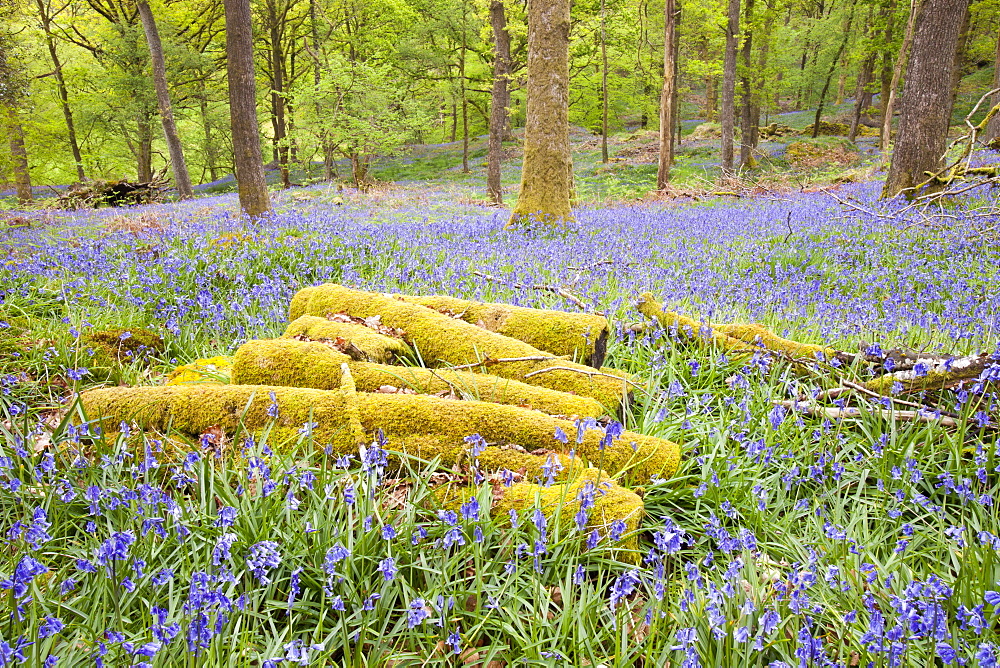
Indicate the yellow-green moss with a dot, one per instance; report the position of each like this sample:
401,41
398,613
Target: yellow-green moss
119,346
419,415
935,379
374,346
193,409
611,502
451,450
209,370
736,337
441,339
412,420
580,336
308,364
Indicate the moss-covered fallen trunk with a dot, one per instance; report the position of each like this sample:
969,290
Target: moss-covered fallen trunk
440,339
735,337
423,425
932,373
580,336
295,363
356,340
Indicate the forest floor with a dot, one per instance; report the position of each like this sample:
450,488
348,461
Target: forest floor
786,537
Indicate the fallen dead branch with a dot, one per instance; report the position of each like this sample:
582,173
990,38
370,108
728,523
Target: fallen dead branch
833,413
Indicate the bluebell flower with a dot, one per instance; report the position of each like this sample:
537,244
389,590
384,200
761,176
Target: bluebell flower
263,557
387,567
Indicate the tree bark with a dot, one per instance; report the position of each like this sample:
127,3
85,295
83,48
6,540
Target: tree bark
926,99
728,111
887,61
50,42
993,128
144,146
667,97
465,100
177,164
748,127
19,155
547,174
278,125
604,86
500,98
243,109
897,72
963,39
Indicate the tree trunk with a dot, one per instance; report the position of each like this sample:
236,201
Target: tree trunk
19,155
177,164
144,149
667,97
963,39
861,96
747,125
897,72
926,99
887,62
211,155
465,100
499,100
993,129
728,111
547,174
278,125
604,87
46,19
243,109
833,68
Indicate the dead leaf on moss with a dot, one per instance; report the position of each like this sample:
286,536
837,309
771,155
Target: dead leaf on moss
214,440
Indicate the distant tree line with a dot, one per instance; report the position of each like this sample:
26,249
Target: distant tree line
113,88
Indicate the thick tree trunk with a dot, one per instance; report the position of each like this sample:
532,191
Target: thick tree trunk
667,96
993,129
499,100
46,19
728,112
547,174
926,99
897,73
177,164
19,155
748,127
243,109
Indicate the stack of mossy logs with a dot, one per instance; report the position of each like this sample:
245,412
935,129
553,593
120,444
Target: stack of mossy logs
518,377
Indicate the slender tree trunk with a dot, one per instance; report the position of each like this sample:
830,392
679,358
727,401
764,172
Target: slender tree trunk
547,174
897,73
993,129
604,87
465,101
926,99
888,65
454,119
675,98
667,96
861,96
177,164
50,42
963,40
278,124
19,155
243,109
211,155
144,152
499,100
833,68
729,87
747,125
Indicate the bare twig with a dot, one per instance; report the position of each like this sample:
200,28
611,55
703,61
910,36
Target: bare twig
489,361
583,371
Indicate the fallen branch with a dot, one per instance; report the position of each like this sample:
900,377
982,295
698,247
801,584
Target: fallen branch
833,413
489,361
583,371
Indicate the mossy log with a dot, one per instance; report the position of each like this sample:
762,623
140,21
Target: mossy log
440,339
423,425
359,341
611,502
208,370
293,363
582,337
735,337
